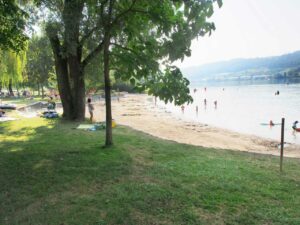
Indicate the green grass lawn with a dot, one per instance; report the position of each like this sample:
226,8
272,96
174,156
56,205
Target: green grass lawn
51,173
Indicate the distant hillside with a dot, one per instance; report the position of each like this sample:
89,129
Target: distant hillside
276,67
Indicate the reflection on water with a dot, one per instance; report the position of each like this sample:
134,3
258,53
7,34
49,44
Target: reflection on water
244,108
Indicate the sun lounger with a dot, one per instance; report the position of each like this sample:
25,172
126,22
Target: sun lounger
7,106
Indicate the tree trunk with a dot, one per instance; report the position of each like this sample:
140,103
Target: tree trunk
70,81
61,69
78,87
10,90
43,92
108,140
69,72
39,91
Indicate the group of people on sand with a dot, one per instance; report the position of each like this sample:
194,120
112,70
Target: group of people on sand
197,108
195,89
205,101
52,105
215,103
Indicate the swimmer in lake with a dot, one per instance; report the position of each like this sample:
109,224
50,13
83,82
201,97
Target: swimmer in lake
271,123
295,125
215,102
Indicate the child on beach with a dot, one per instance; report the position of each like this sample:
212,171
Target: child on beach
90,108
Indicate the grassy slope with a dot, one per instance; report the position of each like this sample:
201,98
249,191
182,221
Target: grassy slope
53,174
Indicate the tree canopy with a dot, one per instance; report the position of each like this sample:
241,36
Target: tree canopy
12,26
138,41
11,68
40,63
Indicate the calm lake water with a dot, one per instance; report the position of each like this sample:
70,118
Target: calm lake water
244,108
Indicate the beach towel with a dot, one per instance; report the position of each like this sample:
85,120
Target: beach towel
91,127
85,126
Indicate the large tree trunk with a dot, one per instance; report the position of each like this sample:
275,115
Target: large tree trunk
108,140
69,72
10,90
77,87
70,82
61,69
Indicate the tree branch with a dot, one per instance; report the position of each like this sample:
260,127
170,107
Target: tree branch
140,11
124,48
89,33
123,13
92,55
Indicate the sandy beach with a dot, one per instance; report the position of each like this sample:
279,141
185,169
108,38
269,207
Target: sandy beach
139,112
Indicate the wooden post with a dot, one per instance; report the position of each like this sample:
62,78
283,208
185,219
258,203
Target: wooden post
282,143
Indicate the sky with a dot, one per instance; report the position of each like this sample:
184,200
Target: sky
249,29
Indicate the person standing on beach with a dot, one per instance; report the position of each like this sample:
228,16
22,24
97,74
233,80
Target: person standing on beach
196,109
205,102
90,108
182,108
